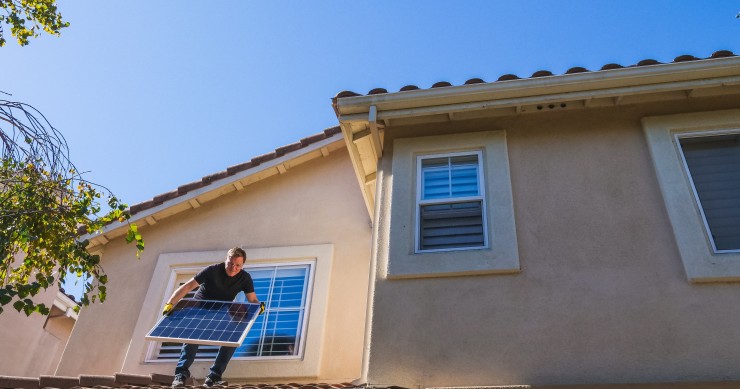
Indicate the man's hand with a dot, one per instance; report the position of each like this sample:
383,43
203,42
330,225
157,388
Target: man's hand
167,309
262,307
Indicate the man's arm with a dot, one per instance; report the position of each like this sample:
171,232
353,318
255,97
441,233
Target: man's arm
179,293
252,298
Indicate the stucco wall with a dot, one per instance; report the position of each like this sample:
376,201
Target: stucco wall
313,204
602,296
26,347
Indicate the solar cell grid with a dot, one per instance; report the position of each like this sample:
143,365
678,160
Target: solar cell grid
219,323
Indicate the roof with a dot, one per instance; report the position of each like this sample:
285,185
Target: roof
232,170
133,381
365,118
543,73
233,178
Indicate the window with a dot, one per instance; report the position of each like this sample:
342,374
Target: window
451,207
695,157
450,202
713,163
276,333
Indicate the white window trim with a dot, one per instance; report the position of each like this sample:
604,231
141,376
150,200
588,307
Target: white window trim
449,200
399,259
163,281
152,355
703,134
701,262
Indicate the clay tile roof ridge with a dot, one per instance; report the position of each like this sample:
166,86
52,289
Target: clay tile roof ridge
546,73
231,170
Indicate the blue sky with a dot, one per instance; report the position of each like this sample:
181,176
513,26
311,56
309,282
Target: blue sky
154,94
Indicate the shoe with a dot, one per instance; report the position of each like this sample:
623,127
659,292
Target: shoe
210,382
179,381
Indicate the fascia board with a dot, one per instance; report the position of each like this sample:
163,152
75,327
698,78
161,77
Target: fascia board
215,186
603,79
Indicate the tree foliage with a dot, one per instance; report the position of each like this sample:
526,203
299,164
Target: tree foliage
27,18
45,205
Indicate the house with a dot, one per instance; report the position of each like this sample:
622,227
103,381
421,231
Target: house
298,214
32,346
581,228
569,230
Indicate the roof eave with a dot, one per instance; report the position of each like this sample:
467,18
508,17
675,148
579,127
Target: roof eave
215,189
360,115
348,107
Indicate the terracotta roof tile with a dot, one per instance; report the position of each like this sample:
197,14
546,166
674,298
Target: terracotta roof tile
508,77
240,167
347,93
576,69
19,382
648,62
97,380
61,382
214,177
133,379
231,170
288,148
474,81
165,196
182,189
409,87
544,73
722,54
441,84
377,91
313,138
684,58
611,66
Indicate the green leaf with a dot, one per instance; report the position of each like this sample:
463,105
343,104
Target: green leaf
18,305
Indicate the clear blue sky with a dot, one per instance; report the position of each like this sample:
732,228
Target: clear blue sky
154,94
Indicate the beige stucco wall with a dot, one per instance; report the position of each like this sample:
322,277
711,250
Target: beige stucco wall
317,203
602,296
32,345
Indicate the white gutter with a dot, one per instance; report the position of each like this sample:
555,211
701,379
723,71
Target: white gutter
529,87
66,305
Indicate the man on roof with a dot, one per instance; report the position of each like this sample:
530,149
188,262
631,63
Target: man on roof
221,281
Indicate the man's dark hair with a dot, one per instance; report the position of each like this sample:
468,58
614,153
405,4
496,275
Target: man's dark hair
236,252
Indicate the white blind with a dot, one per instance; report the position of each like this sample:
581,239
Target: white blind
451,205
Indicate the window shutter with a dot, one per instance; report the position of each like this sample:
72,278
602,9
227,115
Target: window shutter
454,225
714,166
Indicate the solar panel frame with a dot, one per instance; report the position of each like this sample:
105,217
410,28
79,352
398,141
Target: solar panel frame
200,321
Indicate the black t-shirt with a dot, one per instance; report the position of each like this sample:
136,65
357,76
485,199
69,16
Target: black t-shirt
215,284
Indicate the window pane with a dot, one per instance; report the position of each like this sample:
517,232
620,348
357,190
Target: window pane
450,177
714,165
277,332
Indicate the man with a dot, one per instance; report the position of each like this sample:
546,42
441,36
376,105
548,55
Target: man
222,281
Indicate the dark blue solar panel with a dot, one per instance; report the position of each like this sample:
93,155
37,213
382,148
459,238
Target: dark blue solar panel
219,323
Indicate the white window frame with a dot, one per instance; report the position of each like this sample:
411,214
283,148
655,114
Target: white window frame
501,256
701,262
703,134
449,200
164,278
189,272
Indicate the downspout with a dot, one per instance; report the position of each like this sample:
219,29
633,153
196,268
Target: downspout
372,120
363,380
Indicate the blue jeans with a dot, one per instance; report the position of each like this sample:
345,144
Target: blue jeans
187,356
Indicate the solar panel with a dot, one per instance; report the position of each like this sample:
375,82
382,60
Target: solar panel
218,323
